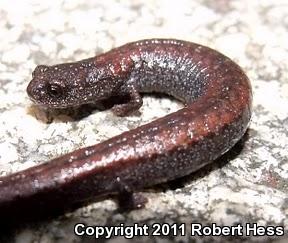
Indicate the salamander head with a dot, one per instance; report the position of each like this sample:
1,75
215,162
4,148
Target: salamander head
69,84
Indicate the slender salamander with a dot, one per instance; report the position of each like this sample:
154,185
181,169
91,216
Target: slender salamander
217,97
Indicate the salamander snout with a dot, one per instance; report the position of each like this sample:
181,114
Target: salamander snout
35,87
33,92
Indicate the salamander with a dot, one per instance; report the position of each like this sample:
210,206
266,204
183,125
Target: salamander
217,100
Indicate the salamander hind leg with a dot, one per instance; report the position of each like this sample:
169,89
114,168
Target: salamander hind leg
127,198
129,201
134,103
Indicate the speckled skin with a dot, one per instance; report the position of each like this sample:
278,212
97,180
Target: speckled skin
217,97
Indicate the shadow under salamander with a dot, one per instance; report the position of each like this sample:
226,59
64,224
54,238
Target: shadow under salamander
48,115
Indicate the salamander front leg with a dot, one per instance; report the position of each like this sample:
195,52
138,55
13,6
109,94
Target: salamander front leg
134,103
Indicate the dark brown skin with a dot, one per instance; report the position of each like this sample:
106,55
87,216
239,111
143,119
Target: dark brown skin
217,97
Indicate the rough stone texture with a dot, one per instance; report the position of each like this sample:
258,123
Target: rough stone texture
247,185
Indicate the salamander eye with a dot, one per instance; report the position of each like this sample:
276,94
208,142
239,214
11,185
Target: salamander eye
54,90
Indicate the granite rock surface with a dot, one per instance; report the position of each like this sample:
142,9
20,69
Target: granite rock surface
247,185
